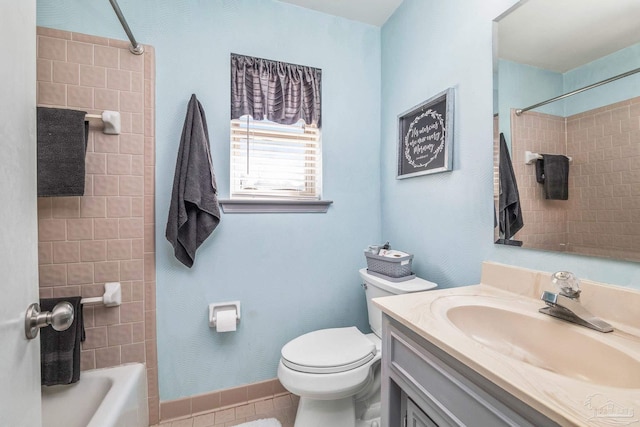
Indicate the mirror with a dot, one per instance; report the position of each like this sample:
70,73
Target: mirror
544,49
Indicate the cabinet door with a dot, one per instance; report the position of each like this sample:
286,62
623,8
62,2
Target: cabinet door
417,418
451,393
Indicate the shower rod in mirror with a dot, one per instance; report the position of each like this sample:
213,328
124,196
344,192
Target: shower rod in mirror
574,92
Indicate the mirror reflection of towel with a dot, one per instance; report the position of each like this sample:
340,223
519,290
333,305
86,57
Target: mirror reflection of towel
509,203
555,170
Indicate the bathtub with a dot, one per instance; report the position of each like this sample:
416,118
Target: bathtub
109,397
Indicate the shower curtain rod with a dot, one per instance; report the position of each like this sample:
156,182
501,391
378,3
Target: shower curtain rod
135,47
566,95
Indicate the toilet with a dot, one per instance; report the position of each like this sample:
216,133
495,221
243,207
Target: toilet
336,372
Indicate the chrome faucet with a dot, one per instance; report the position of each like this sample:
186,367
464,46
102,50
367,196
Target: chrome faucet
566,305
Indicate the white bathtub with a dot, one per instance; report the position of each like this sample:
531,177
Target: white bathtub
109,397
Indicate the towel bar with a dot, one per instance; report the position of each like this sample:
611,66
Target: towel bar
111,120
112,296
530,157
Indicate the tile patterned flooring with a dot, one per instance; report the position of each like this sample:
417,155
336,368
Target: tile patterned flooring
283,408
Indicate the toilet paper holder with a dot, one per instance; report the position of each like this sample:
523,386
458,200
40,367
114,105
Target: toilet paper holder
219,306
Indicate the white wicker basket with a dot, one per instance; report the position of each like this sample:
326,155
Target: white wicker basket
390,267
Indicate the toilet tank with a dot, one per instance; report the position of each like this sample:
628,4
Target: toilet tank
376,286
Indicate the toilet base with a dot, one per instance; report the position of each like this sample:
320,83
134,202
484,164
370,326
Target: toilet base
370,417
369,423
359,410
323,413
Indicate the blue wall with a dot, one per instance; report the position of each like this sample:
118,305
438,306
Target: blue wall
293,273
446,219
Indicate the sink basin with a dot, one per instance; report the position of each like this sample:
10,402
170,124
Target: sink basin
545,343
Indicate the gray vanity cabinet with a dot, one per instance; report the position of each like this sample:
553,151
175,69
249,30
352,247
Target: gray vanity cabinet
415,416
422,386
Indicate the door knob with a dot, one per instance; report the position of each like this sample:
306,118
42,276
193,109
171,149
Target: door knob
60,318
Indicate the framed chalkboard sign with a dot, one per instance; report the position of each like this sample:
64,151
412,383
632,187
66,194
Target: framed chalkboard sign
425,140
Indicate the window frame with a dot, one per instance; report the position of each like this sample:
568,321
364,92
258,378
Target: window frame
271,148
287,201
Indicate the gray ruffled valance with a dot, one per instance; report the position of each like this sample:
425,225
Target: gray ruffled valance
277,91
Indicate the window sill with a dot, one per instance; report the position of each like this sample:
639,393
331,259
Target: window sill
232,206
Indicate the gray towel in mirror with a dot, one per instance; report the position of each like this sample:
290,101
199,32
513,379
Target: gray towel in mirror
555,176
510,212
62,144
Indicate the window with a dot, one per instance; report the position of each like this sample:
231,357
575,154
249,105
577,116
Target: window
275,161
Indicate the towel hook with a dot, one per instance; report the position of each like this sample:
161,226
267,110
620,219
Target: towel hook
60,318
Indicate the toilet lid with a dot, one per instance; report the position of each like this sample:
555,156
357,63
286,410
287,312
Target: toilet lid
328,351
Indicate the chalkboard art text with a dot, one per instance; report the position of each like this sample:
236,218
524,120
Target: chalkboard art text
425,137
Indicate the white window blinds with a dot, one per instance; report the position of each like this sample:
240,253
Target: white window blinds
275,161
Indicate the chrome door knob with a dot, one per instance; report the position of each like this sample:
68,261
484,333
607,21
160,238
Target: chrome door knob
60,318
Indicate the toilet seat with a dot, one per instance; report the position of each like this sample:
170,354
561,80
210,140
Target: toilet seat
328,351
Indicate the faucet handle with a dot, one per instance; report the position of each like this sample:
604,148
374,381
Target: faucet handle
567,283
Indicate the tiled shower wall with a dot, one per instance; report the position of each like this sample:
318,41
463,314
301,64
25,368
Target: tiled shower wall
602,215
545,220
604,193
106,235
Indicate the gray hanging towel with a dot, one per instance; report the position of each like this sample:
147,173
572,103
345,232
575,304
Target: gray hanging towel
194,211
510,214
555,176
62,144
60,350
